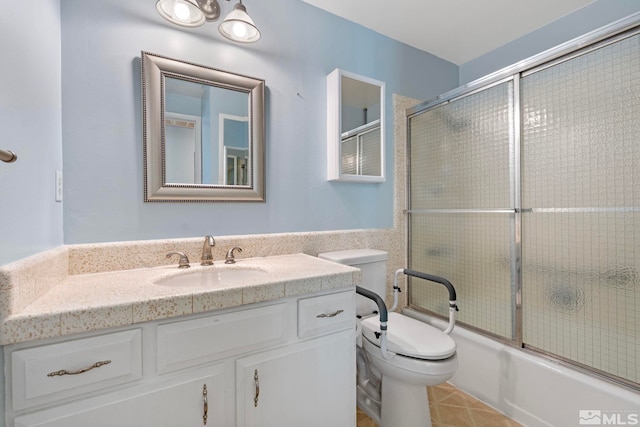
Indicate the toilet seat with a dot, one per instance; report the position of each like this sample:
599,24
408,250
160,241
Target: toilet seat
410,337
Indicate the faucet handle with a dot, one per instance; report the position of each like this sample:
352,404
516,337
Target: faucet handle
184,261
230,258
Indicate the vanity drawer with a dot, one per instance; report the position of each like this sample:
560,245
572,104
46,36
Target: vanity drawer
326,313
72,368
192,342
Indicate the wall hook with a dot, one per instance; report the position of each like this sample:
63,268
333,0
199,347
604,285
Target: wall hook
7,156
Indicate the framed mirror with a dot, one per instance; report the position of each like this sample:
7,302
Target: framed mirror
355,128
203,133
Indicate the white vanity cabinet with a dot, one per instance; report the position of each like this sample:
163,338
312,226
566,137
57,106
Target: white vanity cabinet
307,384
180,401
285,363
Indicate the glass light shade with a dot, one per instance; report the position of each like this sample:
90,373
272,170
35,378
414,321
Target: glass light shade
238,26
181,12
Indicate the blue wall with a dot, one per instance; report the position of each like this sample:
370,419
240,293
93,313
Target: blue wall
300,45
587,19
70,89
30,126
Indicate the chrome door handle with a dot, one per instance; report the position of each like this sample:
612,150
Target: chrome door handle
205,409
330,315
257,385
79,371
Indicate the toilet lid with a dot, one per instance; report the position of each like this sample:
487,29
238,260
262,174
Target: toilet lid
410,337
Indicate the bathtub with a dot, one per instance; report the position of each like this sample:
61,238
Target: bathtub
532,390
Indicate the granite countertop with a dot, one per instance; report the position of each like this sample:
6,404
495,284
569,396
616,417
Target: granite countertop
91,302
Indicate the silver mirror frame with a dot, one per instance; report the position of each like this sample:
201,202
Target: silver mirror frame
154,70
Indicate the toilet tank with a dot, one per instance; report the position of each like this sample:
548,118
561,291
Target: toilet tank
373,264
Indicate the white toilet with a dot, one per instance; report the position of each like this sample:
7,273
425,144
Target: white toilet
392,389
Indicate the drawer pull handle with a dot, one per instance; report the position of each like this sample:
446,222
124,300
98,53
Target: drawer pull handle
79,371
206,405
257,383
330,315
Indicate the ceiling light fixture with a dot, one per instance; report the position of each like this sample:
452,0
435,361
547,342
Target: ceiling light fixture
181,12
237,26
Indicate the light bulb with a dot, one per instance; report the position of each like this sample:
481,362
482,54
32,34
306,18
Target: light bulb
240,30
181,11
238,26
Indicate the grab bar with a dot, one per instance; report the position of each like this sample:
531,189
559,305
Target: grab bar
437,279
382,309
453,306
7,156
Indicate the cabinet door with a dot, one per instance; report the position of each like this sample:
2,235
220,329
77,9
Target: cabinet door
309,384
175,401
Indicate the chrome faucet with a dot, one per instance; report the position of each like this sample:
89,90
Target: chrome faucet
184,261
230,258
207,258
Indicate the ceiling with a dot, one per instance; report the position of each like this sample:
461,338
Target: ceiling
455,30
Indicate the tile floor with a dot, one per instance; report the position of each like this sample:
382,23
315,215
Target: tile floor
451,407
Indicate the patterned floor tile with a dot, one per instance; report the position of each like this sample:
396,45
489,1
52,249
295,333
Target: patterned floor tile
451,407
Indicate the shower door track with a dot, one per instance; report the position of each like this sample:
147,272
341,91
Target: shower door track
586,369
623,28
450,211
621,209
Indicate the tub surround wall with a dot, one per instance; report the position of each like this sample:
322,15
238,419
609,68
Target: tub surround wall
398,258
533,391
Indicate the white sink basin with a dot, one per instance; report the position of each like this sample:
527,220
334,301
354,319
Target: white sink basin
212,278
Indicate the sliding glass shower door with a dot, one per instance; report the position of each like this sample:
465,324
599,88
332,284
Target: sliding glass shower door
462,167
526,195
581,200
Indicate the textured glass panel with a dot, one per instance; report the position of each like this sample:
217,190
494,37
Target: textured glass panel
581,288
460,155
581,179
350,156
581,121
370,148
473,251
581,199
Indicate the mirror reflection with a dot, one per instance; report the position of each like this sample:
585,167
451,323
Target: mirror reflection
203,133
360,136
206,134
